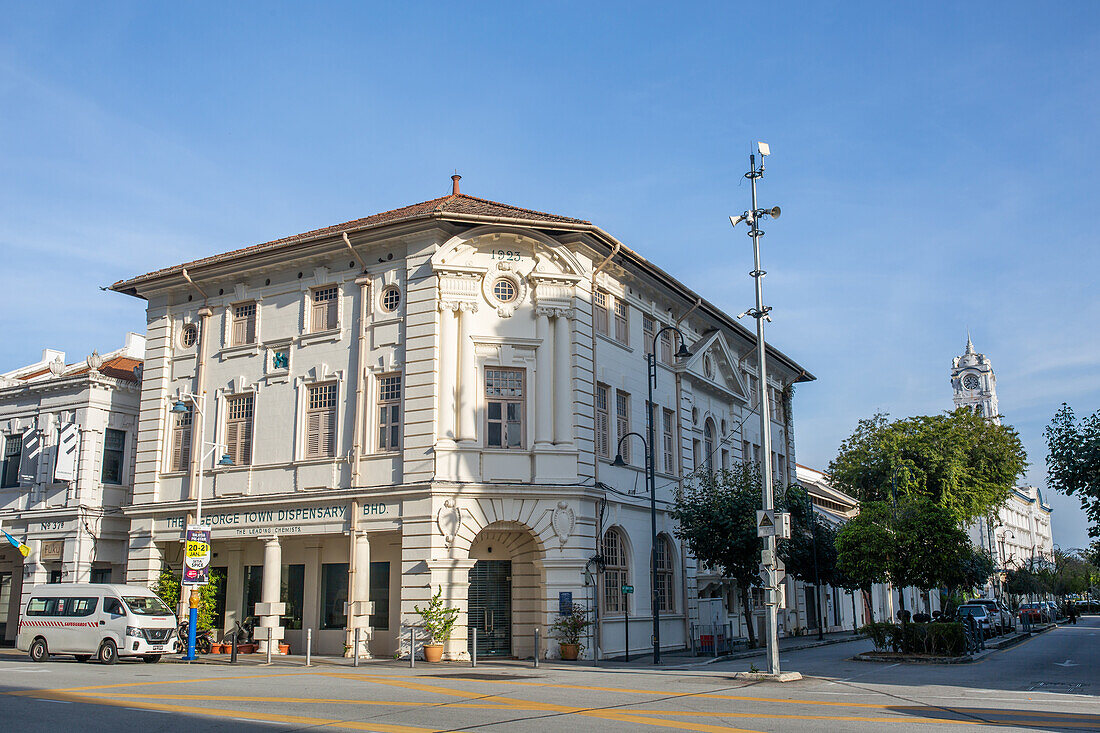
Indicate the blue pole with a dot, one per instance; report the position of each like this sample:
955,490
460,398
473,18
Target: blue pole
192,624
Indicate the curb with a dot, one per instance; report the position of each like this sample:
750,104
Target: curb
990,649
763,651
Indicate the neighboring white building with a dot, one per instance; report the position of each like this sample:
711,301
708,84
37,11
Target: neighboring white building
1021,529
67,432
433,397
836,507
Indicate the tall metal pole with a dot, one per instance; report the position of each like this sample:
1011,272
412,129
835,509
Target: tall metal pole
651,479
772,592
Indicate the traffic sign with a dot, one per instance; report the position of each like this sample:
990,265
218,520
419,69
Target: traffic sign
765,522
628,589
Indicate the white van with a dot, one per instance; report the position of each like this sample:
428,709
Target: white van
93,619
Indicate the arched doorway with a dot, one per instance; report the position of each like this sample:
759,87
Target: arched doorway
507,592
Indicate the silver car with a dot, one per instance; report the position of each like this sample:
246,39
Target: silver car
981,617
1003,620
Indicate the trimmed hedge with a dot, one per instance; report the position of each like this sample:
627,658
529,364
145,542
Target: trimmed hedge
934,639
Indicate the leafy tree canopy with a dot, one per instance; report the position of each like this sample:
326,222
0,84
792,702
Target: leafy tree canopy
1073,460
716,517
812,546
959,460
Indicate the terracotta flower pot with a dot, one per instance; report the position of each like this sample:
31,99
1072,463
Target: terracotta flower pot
433,652
570,652
247,648
219,648
284,648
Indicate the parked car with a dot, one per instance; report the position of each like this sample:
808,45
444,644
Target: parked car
94,619
1053,612
1034,611
981,617
1003,620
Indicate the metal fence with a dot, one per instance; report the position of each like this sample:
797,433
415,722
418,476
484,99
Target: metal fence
713,640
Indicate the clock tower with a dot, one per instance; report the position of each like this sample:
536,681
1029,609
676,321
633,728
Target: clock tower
974,383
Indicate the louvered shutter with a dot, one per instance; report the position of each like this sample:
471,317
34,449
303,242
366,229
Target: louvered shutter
250,328
239,331
313,434
332,312
28,463
330,431
318,320
181,445
245,438
232,441
602,428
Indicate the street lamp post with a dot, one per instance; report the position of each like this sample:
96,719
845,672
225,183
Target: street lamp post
894,496
760,313
181,407
651,476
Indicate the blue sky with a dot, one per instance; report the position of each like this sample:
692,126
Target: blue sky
937,166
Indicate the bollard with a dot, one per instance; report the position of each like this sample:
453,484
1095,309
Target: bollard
693,638
233,650
536,647
355,658
412,647
270,641
309,646
714,640
473,649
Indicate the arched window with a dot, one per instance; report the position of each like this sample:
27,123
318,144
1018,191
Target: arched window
613,551
708,445
665,555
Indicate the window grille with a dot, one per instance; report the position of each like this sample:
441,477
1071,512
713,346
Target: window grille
321,421
238,428
668,441
621,333
391,299
599,305
504,290
189,335
114,441
389,412
622,423
664,574
244,324
603,422
325,308
613,551
181,441
504,408
708,445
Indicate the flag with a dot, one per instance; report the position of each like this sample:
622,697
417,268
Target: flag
23,549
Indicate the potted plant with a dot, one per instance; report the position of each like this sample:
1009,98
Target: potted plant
439,620
568,630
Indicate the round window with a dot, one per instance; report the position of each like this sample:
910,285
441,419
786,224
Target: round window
504,290
189,335
391,299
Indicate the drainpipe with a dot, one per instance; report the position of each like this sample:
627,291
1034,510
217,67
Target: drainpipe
681,319
358,428
362,264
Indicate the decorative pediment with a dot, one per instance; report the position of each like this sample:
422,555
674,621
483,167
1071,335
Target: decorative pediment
715,364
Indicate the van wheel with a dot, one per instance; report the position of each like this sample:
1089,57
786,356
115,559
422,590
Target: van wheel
151,658
38,651
108,652
82,657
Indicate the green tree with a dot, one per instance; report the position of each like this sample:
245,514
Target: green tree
716,517
919,543
167,586
810,553
1073,460
959,460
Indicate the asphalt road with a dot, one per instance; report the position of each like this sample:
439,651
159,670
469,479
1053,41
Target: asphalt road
1048,683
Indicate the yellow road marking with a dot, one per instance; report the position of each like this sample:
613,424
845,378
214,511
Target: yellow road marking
235,714
165,682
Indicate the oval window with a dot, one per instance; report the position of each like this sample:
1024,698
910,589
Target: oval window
189,335
504,290
391,299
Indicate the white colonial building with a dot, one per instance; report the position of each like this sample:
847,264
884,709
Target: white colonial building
68,436
1021,531
430,398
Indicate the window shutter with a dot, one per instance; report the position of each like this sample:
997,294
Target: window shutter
232,441
245,438
313,434
332,312
318,320
250,329
329,444
28,463
238,331
602,429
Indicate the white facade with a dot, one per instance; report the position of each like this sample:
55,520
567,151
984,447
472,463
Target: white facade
68,434
1021,529
481,362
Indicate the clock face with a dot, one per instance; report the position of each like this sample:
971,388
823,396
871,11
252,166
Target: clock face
971,381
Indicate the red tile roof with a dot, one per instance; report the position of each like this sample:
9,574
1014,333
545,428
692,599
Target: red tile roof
119,367
460,205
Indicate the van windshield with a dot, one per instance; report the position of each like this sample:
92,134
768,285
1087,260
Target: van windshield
147,606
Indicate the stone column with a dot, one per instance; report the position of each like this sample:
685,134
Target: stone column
467,377
448,371
359,612
544,381
563,382
269,591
